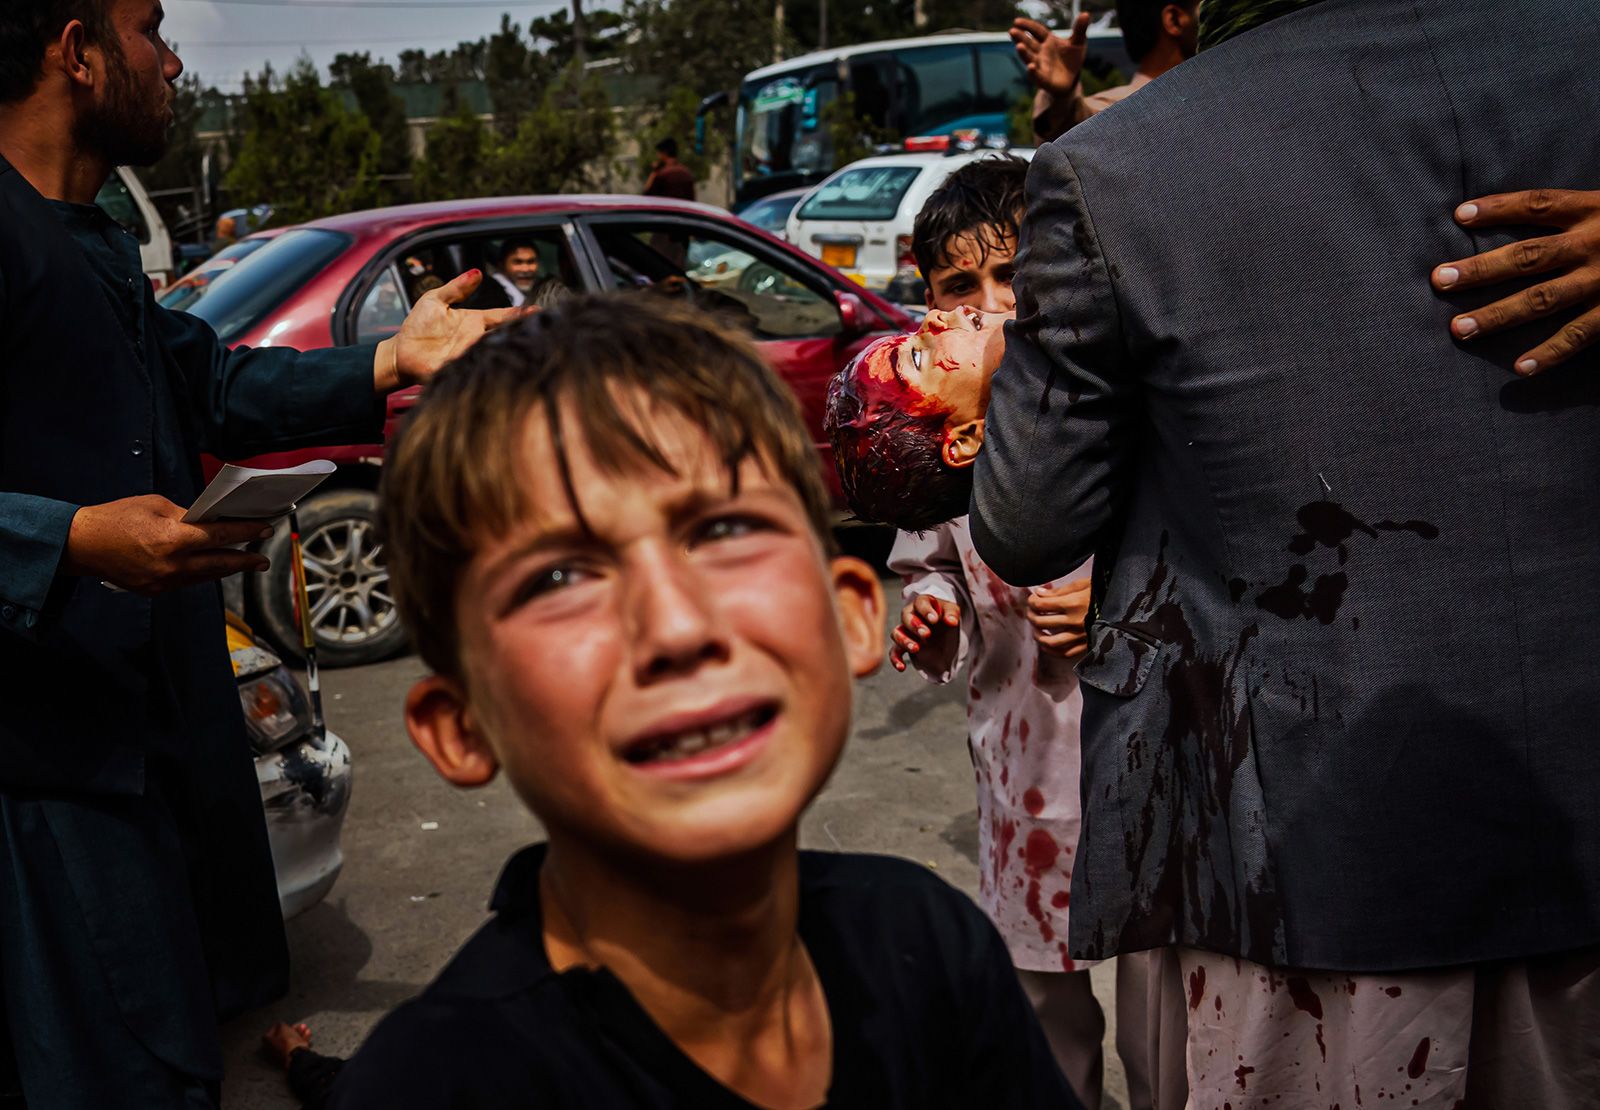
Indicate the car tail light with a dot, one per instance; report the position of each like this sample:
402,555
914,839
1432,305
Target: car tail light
275,711
905,257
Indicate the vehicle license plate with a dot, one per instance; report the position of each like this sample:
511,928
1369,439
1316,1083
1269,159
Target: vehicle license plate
839,254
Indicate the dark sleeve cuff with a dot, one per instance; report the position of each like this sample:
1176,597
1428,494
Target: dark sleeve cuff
311,1077
33,537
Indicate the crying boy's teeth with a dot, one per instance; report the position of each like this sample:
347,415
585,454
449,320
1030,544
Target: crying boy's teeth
686,744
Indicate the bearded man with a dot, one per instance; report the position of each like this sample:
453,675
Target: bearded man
137,900
1339,707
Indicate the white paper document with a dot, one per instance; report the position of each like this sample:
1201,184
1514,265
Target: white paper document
244,493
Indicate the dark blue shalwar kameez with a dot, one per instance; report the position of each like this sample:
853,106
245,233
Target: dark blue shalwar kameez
137,899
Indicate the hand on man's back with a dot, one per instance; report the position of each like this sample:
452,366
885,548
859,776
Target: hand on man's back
1569,263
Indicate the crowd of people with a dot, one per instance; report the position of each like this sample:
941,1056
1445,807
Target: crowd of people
1224,468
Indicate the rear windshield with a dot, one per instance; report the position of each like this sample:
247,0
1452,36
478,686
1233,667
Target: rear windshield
241,297
184,294
864,193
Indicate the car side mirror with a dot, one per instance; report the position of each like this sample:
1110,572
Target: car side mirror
853,313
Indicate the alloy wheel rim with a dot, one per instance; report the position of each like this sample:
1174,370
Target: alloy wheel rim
347,586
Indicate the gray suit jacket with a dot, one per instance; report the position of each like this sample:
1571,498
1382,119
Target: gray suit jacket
1341,707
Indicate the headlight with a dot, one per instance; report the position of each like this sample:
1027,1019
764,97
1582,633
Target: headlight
275,711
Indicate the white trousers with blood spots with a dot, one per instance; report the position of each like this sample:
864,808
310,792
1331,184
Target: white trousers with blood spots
1498,1036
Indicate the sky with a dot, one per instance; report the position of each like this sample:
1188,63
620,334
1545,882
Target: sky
221,40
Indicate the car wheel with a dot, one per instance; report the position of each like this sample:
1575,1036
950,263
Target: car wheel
353,613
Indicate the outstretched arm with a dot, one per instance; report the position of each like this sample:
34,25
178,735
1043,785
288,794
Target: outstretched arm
1062,410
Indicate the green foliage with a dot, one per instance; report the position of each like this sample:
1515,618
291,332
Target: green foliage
567,131
704,46
373,89
303,151
458,150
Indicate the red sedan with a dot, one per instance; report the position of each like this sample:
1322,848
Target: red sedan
352,279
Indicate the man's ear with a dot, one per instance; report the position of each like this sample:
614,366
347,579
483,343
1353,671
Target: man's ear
442,727
860,602
962,444
1175,20
74,60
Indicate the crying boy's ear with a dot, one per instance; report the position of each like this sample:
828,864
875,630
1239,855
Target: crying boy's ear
963,443
444,730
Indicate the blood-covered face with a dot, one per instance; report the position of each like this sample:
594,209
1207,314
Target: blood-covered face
944,367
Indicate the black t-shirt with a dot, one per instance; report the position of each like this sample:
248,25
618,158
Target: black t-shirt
926,1011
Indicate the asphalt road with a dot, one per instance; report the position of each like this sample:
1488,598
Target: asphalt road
411,893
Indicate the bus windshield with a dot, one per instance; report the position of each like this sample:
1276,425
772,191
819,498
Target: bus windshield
930,86
780,126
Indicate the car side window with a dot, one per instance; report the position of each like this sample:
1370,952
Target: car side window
383,309
765,294
532,266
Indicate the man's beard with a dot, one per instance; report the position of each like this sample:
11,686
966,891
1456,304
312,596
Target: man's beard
122,128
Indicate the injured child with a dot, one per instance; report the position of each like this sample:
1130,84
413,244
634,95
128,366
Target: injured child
906,419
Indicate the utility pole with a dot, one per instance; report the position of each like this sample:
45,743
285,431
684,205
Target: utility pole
777,31
579,54
919,15
822,25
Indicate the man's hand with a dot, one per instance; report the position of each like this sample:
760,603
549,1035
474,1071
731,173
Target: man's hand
1058,618
436,333
142,544
1572,258
923,618
1053,63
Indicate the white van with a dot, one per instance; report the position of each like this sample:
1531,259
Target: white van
125,201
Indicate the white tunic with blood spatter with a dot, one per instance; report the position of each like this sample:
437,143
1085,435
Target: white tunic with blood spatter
1023,710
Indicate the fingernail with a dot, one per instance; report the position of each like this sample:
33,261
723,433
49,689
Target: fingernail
1528,366
924,630
1467,213
913,646
1448,276
1466,327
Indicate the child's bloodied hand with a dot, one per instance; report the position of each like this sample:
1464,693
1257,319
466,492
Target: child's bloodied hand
924,619
1058,617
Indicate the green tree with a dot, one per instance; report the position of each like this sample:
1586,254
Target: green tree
604,32
458,154
372,86
513,72
303,151
702,45
558,143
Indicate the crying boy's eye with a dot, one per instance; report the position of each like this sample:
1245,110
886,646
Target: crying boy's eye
916,358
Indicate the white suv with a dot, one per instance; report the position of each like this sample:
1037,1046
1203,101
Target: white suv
859,220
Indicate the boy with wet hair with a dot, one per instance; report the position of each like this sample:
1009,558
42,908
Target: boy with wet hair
965,237
607,533
926,396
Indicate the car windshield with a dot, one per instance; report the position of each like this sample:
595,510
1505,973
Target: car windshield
860,193
770,214
182,295
242,295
